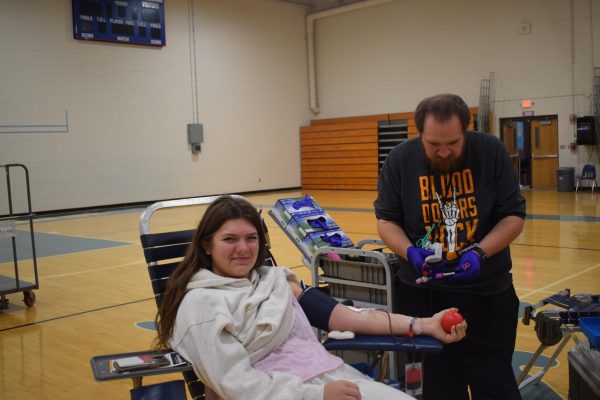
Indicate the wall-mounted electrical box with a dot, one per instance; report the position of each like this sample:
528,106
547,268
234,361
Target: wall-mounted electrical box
195,137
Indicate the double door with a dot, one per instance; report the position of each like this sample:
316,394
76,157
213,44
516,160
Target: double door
532,143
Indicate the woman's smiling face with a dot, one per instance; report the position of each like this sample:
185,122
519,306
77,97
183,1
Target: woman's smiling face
234,248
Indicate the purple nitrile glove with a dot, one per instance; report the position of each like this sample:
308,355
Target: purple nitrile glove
468,267
416,258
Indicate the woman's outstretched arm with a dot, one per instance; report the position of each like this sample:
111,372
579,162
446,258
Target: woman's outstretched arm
379,322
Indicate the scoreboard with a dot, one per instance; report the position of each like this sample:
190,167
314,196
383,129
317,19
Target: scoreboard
131,22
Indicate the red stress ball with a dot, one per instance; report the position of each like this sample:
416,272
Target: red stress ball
450,319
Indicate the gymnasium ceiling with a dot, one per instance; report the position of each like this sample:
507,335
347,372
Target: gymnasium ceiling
320,5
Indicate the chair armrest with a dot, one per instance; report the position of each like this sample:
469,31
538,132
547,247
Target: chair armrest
103,370
426,344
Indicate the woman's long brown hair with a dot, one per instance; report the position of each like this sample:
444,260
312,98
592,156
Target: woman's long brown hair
223,209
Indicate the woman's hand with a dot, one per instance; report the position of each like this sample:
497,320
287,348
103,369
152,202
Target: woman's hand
433,327
341,390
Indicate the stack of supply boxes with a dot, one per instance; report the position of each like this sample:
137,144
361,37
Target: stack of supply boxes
309,225
357,277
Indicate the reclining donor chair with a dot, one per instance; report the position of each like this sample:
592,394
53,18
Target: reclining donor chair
165,245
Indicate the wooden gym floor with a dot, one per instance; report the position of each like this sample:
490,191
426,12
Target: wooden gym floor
95,296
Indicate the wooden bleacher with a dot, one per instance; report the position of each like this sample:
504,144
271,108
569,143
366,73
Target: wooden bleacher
342,153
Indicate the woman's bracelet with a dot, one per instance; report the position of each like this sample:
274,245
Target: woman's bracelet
411,331
412,327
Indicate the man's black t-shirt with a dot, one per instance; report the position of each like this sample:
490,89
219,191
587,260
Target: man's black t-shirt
466,203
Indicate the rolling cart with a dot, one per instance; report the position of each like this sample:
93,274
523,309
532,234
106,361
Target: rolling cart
8,232
362,274
351,273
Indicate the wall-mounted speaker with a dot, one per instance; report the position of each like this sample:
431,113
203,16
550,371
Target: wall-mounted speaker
586,131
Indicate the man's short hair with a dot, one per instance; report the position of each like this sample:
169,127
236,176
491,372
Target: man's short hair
442,107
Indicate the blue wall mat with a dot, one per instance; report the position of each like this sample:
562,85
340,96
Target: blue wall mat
47,244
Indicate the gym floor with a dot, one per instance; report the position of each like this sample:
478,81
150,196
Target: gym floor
95,298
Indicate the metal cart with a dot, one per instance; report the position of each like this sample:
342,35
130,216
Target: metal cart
358,274
363,276
354,273
8,232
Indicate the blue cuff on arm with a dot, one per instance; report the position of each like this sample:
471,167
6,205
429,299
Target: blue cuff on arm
317,306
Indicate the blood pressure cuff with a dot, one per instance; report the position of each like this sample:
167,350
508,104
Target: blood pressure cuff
317,306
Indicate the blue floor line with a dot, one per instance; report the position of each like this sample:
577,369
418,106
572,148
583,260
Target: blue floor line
570,218
551,217
47,244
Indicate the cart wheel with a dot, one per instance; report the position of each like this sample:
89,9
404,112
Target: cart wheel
29,298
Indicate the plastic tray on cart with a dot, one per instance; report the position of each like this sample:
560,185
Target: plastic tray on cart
363,274
358,274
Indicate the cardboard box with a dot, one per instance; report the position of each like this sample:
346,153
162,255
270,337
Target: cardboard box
308,225
332,238
300,207
302,226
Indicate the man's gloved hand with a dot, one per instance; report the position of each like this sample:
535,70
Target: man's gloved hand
468,267
416,258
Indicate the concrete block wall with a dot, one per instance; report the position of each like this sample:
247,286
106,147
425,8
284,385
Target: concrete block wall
129,106
243,75
388,57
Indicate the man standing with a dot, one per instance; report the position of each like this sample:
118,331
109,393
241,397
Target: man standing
456,192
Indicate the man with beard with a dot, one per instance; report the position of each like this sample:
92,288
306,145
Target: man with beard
455,192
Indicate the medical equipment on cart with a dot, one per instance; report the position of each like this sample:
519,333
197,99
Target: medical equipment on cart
362,273
556,326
